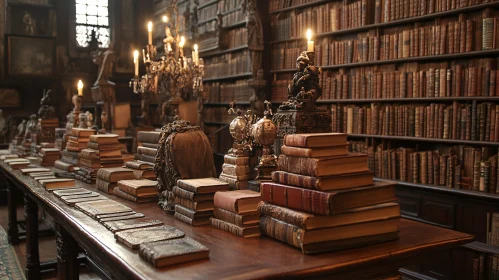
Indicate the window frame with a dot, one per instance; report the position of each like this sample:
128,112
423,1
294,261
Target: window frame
73,40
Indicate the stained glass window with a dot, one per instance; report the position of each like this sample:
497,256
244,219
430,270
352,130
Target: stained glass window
92,15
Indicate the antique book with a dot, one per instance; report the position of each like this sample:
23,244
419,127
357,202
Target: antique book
140,199
150,145
38,174
248,219
191,196
313,140
327,203
191,213
198,221
74,200
82,132
296,236
57,183
138,187
144,174
19,165
134,237
129,216
315,152
336,182
240,201
78,139
97,208
34,170
171,252
328,166
97,154
246,232
115,174
4,157
115,215
104,138
146,158
196,206
78,195
234,184
115,226
204,185
102,147
64,166
104,186
235,160
44,177
13,160
148,136
307,221
139,165
234,170
146,151
71,192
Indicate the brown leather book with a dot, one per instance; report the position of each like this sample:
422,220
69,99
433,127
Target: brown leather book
199,221
106,207
240,201
82,132
172,252
71,192
328,166
57,183
115,174
18,165
77,139
138,188
102,147
4,157
235,160
337,182
44,177
134,237
34,170
104,138
74,200
203,185
313,140
150,145
196,206
190,195
248,219
104,186
146,158
315,152
128,216
234,184
115,215
139,165
245,232
142,199
115,226
148,136
327,203
144,174
233,170
146,151
191,213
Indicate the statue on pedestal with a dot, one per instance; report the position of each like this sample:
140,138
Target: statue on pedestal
46,110
105,60
255,34
21,129
31,127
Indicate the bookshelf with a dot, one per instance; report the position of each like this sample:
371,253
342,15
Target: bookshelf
379,60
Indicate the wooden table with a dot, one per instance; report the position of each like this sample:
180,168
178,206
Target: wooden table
230,256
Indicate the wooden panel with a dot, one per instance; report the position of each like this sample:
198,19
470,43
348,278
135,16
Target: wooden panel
409,206
438,212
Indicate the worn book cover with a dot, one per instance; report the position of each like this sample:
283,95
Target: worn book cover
240,201
196,206
130,216
246,232
74,200
139,165
315,152
141,199
146,151
134,237
71,192
34,170
95,208
192,196
191,213
115,174
328,183
203,185
138,188
328,166
171,252
115,226
148,136
104,138
57,183
313,140
199,221
248,219
104,186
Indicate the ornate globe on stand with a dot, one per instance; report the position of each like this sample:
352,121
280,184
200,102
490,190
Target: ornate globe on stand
264,132
239,130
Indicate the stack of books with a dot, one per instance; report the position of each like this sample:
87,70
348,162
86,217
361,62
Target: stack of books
48,156
103,150
148,145
24,148
85,174
237,171
141,169
17,163
237,212
194,199
326,196
138,191
77,141
107,178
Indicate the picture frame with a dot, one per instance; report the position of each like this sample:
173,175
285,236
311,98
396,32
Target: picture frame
31,20
10,97
29,56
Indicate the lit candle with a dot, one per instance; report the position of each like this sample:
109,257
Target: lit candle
165,19
80,88
310,43
181,45
136,62
195,55
149,29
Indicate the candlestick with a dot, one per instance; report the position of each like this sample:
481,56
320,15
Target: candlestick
310,43
136,62
80,88
149,29
195,55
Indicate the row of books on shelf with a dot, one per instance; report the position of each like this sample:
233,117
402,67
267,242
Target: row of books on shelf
217,114
226,6
281,4
472,121
456,81
447,38
237,37
227,64
280,90
233,17
227,92
207,13
340,15
457,167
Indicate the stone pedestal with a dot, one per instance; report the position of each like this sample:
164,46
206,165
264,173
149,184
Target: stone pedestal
104,98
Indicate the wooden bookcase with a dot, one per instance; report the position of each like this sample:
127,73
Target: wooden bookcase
461,206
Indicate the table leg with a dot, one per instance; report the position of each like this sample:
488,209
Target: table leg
32,254
12,231
67,255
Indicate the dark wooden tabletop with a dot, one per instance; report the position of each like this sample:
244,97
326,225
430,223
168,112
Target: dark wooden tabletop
232,257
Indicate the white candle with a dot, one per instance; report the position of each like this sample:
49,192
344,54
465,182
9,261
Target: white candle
149,30
181,45
310,43
144,55
195,55
136,62
80,88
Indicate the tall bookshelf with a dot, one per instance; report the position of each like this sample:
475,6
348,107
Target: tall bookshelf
413,82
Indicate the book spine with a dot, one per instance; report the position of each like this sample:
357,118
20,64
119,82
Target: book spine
302,166
228,216
119,193
281,231
148,136
287,178
227,227
226,202
183,218
127,189
283,214
183,193
186,203
234,170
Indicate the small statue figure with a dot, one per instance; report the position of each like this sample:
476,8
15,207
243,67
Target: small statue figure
89,118
222,38
21,129
255,34
76,102
3,127
29,24
46,111
31,127
105,60
69,125
82,120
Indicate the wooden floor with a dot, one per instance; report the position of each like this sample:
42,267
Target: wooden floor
47,247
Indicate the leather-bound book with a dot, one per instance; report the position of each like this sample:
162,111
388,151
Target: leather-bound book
104,138
146,158
97,208
203,185
484,176
82,132
4,157
34,170
315,152
199,221
314,140
134,237
102,147
77,139
144,174
104,186
245,232
146,151
196,206
138,187
74,200
57,183
328,166
248,219
327,203
139,165
71,192
44,177
234,170
148,136
171,252
115,226
240,201
190,195
115,174
19,165
115,215
128,216
191,213
238,161
343,181
150,145
80,195
137,199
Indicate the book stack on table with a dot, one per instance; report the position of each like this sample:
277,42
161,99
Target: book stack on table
103,150
326,197
107,178
48,156
194,199
138,191
77,141
237,212
141,169
148,145
237,171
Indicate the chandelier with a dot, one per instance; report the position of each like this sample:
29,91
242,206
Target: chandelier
173,75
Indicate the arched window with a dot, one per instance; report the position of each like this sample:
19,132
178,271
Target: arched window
92,15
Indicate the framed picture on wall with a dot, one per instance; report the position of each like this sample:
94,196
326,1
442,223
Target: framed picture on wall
29,56
10,97
31,20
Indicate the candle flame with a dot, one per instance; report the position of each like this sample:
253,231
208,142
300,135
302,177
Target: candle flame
165,19
182,39
80,84
309,34
196,47
135,56
149,26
